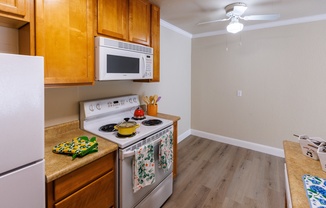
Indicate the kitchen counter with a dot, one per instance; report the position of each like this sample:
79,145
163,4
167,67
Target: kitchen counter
168,117
297,166
57,165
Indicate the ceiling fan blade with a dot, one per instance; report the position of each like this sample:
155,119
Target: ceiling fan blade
261,17
239,10
213,21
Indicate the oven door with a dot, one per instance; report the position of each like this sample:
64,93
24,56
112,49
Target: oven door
163,180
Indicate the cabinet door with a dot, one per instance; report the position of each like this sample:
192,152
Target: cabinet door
99,194
77,179
139,21
16,7
155,41
112,18
64,36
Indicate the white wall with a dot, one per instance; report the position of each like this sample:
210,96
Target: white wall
282,74
61,104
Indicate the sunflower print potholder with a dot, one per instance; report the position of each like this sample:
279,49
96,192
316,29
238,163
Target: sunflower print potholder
78,147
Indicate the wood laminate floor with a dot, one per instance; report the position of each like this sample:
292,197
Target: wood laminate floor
218,175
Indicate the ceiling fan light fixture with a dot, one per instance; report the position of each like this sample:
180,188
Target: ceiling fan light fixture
234,27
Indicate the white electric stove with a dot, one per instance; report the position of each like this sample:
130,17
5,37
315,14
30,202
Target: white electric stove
99,117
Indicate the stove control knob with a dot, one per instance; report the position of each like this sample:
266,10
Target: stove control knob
98,106
135,100
91,108
130,100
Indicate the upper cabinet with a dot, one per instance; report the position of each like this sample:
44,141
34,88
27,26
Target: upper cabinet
19,14
112,18
64,36
127,20
15,9
155,41
139,21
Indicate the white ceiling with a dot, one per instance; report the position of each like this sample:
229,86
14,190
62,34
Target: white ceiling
185,14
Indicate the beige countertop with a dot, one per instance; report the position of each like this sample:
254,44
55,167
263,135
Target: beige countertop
168,117
298,165
57,165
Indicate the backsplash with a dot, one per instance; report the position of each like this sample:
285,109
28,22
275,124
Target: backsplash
62,104
8,40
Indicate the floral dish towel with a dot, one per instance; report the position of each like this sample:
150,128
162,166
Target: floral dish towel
316,191
144,167
166,151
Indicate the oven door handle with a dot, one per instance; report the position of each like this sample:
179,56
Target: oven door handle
127,154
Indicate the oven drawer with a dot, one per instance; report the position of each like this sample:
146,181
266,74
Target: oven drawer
99,194
85,175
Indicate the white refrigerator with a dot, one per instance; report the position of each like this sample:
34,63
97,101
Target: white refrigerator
22,178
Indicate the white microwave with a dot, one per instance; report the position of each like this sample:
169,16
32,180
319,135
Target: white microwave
119,60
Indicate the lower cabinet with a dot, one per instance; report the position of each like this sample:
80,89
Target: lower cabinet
92,185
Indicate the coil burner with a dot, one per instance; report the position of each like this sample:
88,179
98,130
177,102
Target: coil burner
108,128
152,122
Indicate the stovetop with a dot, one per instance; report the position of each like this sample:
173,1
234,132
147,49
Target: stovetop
97,113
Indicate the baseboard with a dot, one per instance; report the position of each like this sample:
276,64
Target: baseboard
184,135
236,142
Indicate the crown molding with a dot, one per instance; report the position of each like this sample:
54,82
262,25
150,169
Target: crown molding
249,27
288,22
175,29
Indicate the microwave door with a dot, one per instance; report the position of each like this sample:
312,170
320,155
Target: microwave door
117,64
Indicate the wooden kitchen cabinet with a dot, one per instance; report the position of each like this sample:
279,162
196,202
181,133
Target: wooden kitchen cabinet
135,21
16,9
112,18
64,36
92,185
127,20
155,41
19,14
139,21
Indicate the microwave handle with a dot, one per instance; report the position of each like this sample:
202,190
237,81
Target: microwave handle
143,66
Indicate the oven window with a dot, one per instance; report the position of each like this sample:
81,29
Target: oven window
121,64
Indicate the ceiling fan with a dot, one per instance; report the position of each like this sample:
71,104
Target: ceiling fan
234,11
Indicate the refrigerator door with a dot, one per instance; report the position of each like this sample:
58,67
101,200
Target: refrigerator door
21,111
24,187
